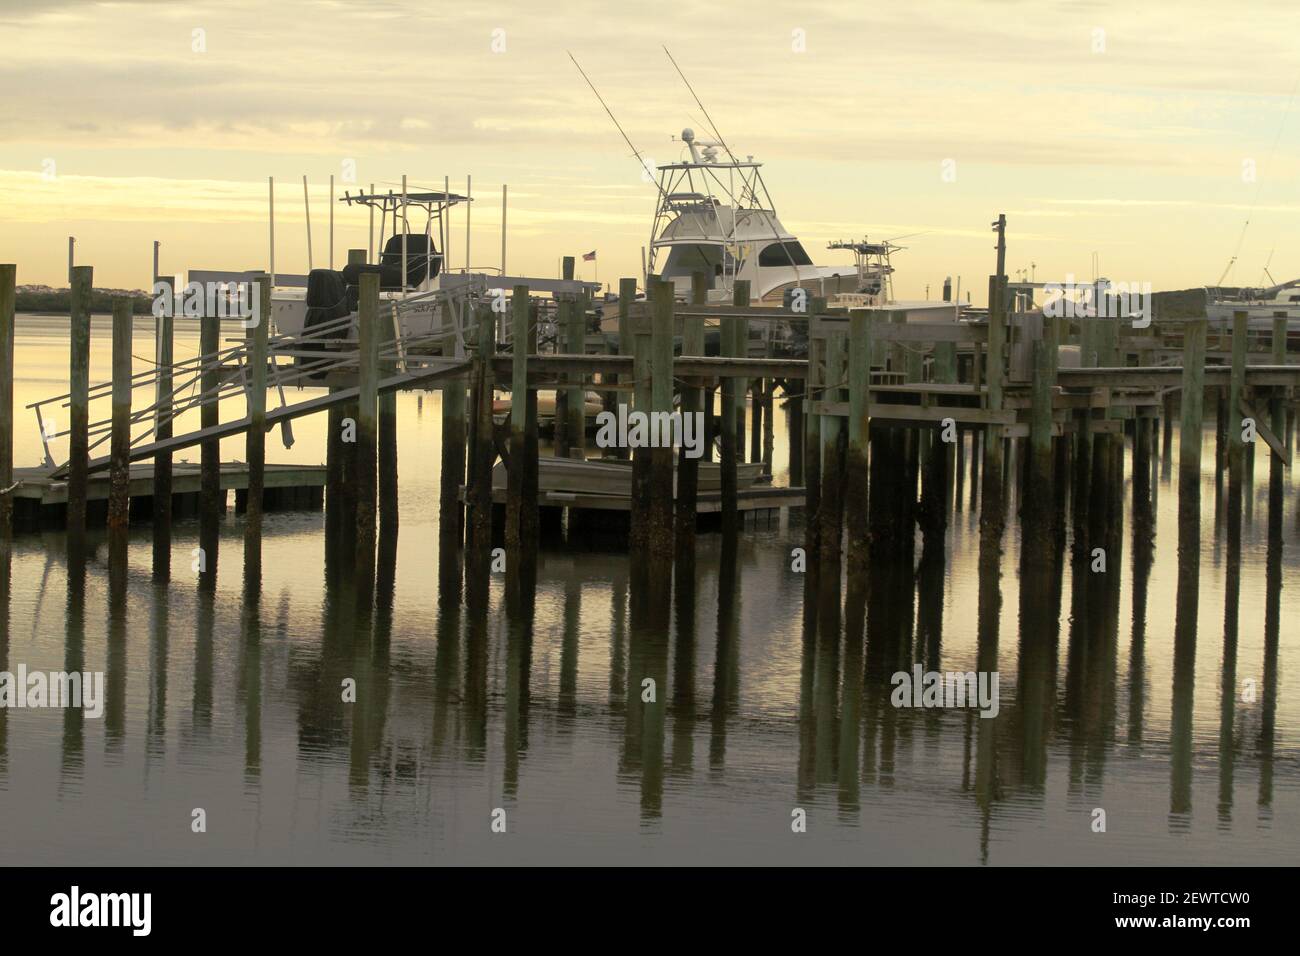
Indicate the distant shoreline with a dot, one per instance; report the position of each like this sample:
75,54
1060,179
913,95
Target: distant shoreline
59,301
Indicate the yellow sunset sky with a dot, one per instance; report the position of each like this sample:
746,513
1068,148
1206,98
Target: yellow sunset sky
1123,129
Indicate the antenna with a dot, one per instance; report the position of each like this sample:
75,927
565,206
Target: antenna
1233,261
1267,263
707,117
635,151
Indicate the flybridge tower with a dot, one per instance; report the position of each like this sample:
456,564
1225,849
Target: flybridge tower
872,262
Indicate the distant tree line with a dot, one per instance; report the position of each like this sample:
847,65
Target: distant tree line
59,301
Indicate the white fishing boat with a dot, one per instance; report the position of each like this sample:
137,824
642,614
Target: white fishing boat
1261,306
714,215
414,283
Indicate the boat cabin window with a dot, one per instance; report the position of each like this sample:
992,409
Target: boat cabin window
683,260
784,254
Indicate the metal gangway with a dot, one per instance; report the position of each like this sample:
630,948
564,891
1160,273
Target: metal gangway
327,350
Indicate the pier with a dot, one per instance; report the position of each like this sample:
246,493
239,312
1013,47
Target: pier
890,418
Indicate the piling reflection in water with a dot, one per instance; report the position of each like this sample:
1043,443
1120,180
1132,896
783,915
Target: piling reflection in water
581,690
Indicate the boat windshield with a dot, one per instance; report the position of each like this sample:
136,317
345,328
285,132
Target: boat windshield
784,254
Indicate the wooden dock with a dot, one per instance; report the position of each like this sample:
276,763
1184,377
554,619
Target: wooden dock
875,400
40,500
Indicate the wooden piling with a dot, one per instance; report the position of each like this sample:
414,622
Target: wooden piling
812,432
453,456
478,498
1193,408
1040,462
830,511
1278,421
576,401
661,404
794,428
740,349
945,373
859,431
991,513
519,335
367,433
79,399
256,336
164,334
119,468
211,497
731,424
563,421
692,405
387,422
626,296
642,396
1236,389
8,293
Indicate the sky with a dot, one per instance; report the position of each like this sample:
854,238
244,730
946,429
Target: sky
1144,134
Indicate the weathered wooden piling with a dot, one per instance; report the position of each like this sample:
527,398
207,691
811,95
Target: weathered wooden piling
830,511
569,430
576,405
79,399
740,349
453,452
164,335
387,422
1236,449
794,427
8,285
661,405
859,432
1278,421
119,468
812,432
642,396
991,512
688,466
768,393
520,350
1193,408
1041,461
256,336
478,497
367,433
211,497
731,424
626,296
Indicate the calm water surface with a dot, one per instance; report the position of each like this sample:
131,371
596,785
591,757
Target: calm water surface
231,702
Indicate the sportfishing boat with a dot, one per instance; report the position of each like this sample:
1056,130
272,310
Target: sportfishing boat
714,215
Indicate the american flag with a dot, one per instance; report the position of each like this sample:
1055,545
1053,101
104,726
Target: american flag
589,256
